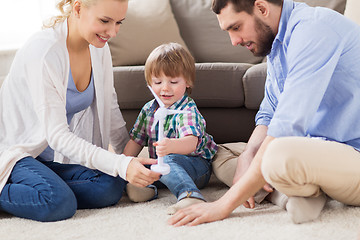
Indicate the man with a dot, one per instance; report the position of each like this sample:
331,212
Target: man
307,137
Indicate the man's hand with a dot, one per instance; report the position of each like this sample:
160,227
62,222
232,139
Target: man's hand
247,186
243,164
250,203
199,213
139,175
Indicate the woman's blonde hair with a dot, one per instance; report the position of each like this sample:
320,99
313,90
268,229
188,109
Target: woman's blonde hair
65,8
172,60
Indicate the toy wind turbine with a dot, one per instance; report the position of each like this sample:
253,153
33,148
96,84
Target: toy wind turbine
160,116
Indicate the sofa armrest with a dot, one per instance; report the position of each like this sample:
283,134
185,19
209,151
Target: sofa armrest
254,83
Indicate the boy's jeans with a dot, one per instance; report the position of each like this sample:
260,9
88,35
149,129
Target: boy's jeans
187,175
50,191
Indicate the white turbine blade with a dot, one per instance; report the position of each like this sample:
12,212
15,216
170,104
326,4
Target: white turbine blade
156,97
161,130
154,124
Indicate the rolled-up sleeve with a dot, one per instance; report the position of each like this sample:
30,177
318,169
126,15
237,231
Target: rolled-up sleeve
312,53
268,104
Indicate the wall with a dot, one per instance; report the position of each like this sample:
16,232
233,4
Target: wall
352,10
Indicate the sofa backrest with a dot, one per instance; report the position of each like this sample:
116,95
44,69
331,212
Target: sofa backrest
191,23
337,5
149,23
200,30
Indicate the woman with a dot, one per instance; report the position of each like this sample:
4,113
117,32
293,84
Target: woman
58,103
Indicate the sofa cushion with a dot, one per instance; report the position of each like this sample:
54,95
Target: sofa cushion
219,85
337,5
147,25
216,85
201,32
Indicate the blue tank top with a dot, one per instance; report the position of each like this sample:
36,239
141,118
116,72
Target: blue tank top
75,102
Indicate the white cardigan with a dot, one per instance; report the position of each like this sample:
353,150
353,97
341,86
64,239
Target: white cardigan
33,114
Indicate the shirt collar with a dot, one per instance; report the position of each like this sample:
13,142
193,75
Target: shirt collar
288,6
179,103
175,105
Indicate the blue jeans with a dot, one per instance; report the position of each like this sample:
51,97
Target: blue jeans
49,191
187,175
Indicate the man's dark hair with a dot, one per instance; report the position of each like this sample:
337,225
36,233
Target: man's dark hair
239,5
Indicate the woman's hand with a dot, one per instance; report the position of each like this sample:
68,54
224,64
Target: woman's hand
140,176
199,213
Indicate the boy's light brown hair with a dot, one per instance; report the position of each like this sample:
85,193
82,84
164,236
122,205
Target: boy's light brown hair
172,60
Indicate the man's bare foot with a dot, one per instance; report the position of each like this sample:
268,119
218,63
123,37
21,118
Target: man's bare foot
305,209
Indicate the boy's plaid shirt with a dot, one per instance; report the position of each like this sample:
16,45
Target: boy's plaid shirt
176,126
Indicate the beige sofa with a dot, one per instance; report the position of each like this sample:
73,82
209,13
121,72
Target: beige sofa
229,80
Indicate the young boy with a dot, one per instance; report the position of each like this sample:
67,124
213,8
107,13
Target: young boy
186,147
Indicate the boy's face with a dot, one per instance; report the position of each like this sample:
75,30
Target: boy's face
169,89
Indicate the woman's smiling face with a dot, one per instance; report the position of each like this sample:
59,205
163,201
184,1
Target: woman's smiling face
101,21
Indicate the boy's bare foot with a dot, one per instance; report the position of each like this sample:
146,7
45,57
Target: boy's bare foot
138,194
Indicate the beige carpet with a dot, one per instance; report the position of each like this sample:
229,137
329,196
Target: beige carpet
147,221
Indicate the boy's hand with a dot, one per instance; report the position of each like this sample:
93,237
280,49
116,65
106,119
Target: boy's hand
164,147
184,145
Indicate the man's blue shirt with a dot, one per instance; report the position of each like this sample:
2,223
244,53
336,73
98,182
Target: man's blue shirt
313,77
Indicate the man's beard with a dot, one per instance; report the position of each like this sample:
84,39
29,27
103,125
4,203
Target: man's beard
265,38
